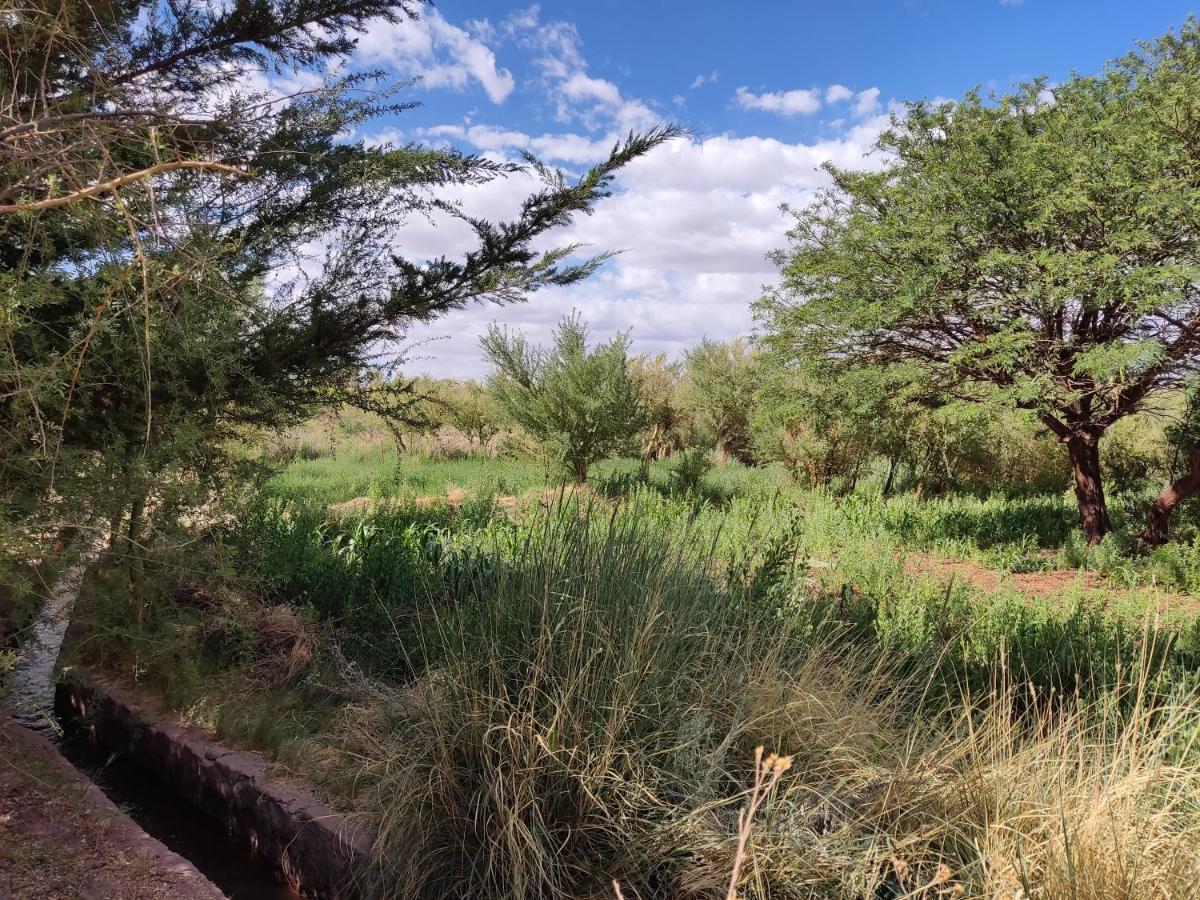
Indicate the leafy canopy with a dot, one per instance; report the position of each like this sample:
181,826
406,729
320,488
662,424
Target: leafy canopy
185,254
718,382
1044,245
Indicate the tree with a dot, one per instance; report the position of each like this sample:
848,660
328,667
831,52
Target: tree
158,219
1043,247
581,405
718,382
472,412
826,425
659,378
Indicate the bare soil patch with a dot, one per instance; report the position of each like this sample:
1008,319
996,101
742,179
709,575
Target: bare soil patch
1049,585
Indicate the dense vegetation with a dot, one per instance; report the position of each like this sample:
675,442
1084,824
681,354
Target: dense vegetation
533,695
912,538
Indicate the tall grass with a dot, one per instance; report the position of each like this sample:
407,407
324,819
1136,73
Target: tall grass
539,705
371,575
587,706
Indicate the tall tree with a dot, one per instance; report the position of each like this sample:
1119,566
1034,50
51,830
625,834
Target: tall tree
1044,246
582,405
184,254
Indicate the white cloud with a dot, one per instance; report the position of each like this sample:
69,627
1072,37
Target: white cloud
581,88
572,148
563,148
579,96
836,93
804,101
866,102
443,55
694,219
787,103
556,43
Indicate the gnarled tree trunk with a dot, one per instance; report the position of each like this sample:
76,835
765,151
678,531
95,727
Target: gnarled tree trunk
1159,515
1084,450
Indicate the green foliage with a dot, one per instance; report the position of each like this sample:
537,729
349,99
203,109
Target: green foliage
669,425
826,426
1136,455
1016,248
145,333
592,678
718,380
581,405
595,675
471,410
688,469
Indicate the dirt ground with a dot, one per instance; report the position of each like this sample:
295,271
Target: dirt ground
61,838
1038,584
1049,585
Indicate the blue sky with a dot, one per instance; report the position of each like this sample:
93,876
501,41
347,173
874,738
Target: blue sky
769,90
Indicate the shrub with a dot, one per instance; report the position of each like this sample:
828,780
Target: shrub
688,468
581,405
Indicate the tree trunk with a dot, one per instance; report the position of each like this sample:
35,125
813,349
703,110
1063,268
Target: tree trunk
891,477
1159,514
135,554
579,467
1089,492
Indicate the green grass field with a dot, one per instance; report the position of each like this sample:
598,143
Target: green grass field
1008,534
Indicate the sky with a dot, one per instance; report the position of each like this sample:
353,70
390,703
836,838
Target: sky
768,90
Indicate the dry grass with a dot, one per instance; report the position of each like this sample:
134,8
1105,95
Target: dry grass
591,717
285,646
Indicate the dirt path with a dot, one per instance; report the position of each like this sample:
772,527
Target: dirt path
61,838
1038,584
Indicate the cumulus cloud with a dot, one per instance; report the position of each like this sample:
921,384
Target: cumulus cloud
866,102
836,93
694,221
442,54
566,148
801,101
804,101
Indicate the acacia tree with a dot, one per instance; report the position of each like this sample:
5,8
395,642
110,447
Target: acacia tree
184,255
581,405
1043,247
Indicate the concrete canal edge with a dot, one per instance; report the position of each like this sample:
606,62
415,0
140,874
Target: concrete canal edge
319,851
